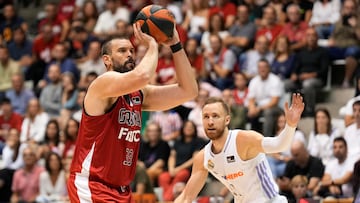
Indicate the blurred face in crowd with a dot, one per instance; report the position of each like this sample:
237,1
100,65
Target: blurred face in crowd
19,36
54,73
50,10
17,82
216,22
33,107
6,109
94,50
111,5
321,119
269,15
299,189
47,33
51,130
121,28
191,46
202,96
339,150
189,129
356,113
4,55
263,69
262,44
311,37
59,52
215,43
89,9
13,138
243,14
9,12
299,153
72,128
349,7
240,81
282,45
227,96
29,157
293,14
54,162
153,132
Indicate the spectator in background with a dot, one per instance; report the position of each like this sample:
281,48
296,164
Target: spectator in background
66,9
217,27
225,8
195,57
344,41
18,94
52,181
302,163
305,7
196,18
60,26
80,4
263,102
80,102
296,28
25,185
237,112
51,141
8,68
121,29
170,123
249,60
195,114
105,24
269,26
154,152
165,71
278,161
347,110
173,8
12,161
20,48
220,63
310,72
284,60
70,132
299,191
336,181
8,120
324,15
322,136
241,90
352,135
141,183
34,124
241,33
88,15
181,159
50,97
10,21
79,43
356,182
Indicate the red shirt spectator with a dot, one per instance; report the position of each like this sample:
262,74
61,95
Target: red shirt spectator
165,71
227,10
43,44
8,119
294,33
270,33
66,9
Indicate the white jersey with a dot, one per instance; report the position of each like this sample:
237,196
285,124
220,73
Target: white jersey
249,181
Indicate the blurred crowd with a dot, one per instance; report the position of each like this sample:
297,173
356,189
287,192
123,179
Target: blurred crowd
251,53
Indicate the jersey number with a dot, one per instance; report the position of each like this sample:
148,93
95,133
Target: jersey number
129,157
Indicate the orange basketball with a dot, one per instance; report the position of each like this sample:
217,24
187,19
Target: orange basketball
156,21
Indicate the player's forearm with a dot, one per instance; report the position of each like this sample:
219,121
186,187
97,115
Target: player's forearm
279,143
185,74
150,60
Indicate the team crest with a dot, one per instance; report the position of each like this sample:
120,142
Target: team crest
230,159
210,164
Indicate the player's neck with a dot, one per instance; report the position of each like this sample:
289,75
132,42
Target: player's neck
218,144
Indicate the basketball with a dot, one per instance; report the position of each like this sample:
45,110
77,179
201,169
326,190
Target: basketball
156,21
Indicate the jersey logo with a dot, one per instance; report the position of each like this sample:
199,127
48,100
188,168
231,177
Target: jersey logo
210,164
130,118
130,135
230,159
136,100
233,176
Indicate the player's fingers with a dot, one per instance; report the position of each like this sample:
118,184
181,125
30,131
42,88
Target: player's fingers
286,106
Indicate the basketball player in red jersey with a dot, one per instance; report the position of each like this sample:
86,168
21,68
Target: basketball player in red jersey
108,142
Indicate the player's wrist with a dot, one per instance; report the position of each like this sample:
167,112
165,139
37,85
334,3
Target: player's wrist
176,47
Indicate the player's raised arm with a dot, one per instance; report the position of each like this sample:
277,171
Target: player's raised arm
196,181
165,97
283,141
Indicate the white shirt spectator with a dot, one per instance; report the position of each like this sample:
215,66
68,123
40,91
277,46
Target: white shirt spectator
352,137
34,130
264,90
88,66
106,21
100,4
347,110
7,156
205,41
325,13
50,192
250,66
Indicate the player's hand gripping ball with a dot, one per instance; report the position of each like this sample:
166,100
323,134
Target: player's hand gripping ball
156,21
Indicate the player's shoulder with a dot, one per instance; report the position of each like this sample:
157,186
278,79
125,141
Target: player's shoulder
247,136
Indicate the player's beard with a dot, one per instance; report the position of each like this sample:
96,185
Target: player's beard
215,133
123,68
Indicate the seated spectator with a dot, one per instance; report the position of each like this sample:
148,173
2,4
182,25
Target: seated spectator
347,110
324,15
269,26
12,161
66,9
122,29
242,32
195,114
278,161
34,124
8,68
105,24
295,29
154,152
141,183
322,136
250,59
302,163
8,120
262,102
310,71
284,60
25,185
336,181
165,71
180,160
220,63
344,41
50,97
18,94
170,124
79,43
195,57
60,26
196,18
225,8
298,186
52,181
217,27
352,135
174,9
70,133
20,48
51,141
9,22
305,7
80,102
88,15
237,112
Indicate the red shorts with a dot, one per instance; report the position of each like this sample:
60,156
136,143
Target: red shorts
81,188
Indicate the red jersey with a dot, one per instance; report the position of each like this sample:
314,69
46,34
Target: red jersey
107,146
15,121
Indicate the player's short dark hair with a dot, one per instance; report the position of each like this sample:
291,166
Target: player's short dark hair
212,100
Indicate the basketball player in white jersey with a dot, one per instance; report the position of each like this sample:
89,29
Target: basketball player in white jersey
237,157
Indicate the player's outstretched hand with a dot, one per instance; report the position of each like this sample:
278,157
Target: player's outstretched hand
175,39
142,38
293,113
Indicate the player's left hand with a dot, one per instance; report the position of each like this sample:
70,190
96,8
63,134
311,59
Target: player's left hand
293,113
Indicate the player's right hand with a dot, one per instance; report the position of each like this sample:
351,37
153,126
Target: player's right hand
141,37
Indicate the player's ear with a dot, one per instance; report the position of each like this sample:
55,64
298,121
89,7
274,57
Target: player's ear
227,120
107,61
